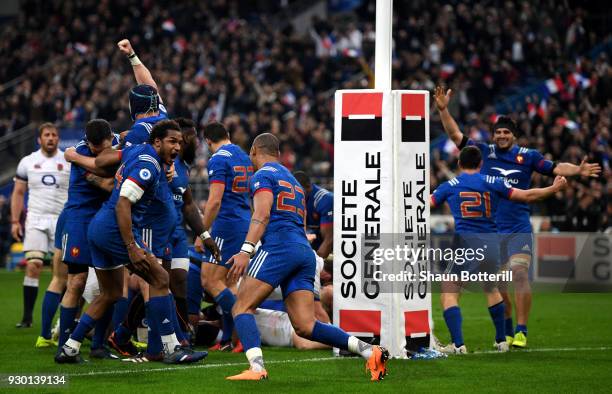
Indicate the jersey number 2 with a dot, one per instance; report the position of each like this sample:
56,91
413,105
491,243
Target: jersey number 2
474,200
241,180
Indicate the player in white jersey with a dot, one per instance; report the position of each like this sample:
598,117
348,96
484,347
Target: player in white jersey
45,174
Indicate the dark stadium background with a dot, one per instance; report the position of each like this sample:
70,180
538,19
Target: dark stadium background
269,65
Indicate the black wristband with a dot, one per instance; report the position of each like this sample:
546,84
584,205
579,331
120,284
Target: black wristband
463,142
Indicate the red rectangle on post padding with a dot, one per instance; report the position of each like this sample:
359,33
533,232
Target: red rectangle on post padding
362,104
416,322
360,321
413,105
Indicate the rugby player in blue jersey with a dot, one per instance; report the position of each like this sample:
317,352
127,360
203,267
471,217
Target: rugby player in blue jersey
115,240
503,158
285,258
227,216
473,199
86,194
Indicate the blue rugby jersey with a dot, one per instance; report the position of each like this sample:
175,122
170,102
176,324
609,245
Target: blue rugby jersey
287,215
178,186
141,129
516,165
473,200
84,199
231,166
142,165
319,211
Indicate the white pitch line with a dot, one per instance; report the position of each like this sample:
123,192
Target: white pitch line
200,366
309,360
546,350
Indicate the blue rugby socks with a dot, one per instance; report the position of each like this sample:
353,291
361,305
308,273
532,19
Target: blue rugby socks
226,300
497,315
453,319
49,307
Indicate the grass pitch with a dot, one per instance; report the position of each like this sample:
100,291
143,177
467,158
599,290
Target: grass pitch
570,350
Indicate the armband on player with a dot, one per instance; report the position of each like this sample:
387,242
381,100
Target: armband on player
205,235
248,248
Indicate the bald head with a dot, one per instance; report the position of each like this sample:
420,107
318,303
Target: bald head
267,144
265,149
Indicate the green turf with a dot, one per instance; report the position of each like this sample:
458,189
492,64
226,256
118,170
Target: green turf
560,322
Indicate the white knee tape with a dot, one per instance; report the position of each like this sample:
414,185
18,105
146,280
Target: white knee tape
520,260
34,255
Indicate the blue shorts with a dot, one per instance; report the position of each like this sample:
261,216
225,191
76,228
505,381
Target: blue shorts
229,243
59,229
516,243
292,266
105,243
475,253
158,242
194,290
75,244
178,244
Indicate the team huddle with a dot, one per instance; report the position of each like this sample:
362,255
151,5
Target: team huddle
127,197
121,201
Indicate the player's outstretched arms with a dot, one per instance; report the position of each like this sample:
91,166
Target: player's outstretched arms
450,126
108,160
86,162
141,73
262,202
585,169
537,194
192,216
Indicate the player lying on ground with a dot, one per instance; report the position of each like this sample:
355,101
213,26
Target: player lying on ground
473,199
516,164
285,258
115,236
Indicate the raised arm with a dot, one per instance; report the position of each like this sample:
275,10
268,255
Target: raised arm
141,72
450,126
584,169
537,194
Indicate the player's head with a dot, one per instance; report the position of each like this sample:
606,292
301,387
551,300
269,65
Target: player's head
189,142
304,180
99,135
165,137
143,100
214,133
505,131
265,149
470,158
48,137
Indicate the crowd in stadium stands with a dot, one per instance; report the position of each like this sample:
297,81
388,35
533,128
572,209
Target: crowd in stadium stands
217,61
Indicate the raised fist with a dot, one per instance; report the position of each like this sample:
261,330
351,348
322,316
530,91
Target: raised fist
125,47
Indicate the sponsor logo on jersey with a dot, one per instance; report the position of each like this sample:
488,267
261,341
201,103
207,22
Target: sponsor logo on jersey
492,155
526,248
505,173
74,252
60,166
48,180
519,159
